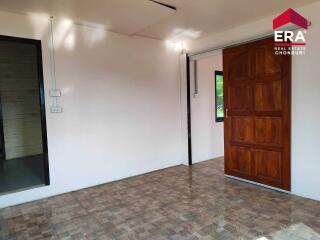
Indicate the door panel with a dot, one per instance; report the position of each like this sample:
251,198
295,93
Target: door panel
268,96
240,67
257,91
267,65
268,165
242,129
240,98
268,130
240,160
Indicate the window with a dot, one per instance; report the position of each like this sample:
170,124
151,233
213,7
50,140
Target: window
219,96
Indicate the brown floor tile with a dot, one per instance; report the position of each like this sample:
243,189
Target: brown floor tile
178,203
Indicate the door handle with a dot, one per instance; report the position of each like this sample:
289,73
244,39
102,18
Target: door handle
227,113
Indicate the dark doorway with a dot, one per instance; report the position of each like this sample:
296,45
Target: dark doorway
23,135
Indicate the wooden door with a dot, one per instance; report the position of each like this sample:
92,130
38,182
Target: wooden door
257,92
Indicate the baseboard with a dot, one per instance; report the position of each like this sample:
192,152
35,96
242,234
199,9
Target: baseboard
258,184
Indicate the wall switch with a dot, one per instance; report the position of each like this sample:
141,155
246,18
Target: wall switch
55,93
56,109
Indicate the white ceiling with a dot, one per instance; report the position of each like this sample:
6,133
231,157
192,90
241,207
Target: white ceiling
193,18
122,16
198,18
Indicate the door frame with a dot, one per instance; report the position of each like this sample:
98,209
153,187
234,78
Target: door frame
3,145
37,44
189,111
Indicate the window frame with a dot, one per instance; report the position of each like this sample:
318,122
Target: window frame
217,73
40,63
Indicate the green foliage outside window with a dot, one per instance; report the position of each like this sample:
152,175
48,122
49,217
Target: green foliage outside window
219,96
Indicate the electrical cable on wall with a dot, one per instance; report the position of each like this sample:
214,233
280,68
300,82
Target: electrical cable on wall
54,92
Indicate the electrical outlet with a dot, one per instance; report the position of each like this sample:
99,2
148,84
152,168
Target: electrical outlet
56,109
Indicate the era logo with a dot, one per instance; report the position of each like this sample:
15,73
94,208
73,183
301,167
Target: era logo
289,41
289,36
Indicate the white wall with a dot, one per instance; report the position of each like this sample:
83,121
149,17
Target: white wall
121,105
305,97
207,134
122,109
306,113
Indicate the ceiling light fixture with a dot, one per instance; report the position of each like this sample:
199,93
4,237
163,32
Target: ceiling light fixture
178,46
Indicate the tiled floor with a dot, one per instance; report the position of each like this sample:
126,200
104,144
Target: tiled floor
176,203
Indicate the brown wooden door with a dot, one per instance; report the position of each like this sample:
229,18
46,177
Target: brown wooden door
257,92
